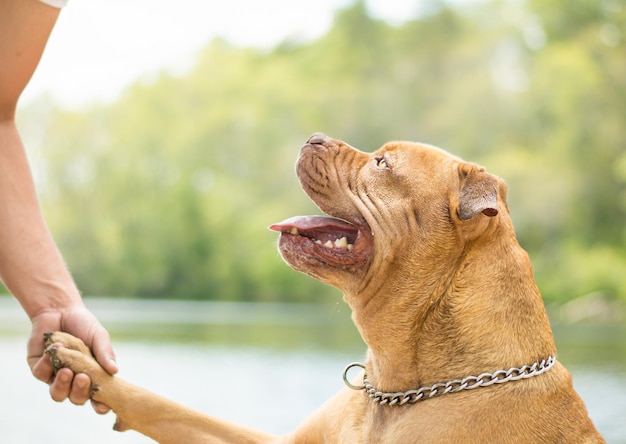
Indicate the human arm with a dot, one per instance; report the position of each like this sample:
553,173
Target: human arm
31,266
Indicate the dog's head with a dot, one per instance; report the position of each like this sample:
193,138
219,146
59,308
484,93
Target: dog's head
408,211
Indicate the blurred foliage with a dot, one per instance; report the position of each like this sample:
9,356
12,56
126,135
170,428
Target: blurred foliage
167,192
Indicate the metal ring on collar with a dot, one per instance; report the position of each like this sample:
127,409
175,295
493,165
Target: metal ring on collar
345,376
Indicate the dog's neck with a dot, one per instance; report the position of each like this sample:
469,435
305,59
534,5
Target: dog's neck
482,319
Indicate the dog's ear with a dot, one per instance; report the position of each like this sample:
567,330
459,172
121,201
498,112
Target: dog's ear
478,194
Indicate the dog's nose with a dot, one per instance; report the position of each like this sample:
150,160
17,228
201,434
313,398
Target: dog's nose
318,138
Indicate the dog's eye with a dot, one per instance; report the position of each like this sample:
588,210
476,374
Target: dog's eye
381,163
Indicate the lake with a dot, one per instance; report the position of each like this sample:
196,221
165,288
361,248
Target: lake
266,366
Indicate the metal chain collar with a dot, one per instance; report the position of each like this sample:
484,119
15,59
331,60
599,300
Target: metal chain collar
453,386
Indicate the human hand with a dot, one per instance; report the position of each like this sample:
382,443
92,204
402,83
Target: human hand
80,322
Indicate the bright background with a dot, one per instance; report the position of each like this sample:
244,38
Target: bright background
113,43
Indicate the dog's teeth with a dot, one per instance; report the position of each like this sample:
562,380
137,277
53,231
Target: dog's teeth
294,231
341,243
338,243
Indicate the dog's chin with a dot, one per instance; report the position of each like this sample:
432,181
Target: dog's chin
316,245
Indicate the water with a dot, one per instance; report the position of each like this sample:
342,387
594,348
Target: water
263,366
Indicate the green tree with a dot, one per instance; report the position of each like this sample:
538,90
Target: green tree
168,191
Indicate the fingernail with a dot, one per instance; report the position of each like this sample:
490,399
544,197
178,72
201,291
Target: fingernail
65,377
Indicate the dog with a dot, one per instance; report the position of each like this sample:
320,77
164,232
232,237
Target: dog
460,348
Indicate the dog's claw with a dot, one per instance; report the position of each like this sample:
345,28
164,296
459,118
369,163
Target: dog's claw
54,359
47,337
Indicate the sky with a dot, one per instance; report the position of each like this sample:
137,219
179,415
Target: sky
99,47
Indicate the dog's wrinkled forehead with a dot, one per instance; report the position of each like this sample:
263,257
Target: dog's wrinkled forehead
416,157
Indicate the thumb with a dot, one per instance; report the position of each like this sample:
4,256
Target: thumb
103,351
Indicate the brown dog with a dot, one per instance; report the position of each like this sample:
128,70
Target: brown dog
422,246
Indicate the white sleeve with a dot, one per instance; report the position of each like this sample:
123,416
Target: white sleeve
55,3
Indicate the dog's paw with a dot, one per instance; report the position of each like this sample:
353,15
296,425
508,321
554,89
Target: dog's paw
67,340
67,351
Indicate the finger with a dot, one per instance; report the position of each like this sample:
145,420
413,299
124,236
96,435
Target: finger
60,387
41,367
79,392
38,361
100,408
103,351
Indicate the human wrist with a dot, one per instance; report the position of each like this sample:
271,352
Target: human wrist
49,297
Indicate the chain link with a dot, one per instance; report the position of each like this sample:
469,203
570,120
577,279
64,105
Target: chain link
453,386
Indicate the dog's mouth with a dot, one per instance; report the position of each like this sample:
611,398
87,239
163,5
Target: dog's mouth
333,241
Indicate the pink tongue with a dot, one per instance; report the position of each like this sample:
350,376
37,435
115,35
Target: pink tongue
306,223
